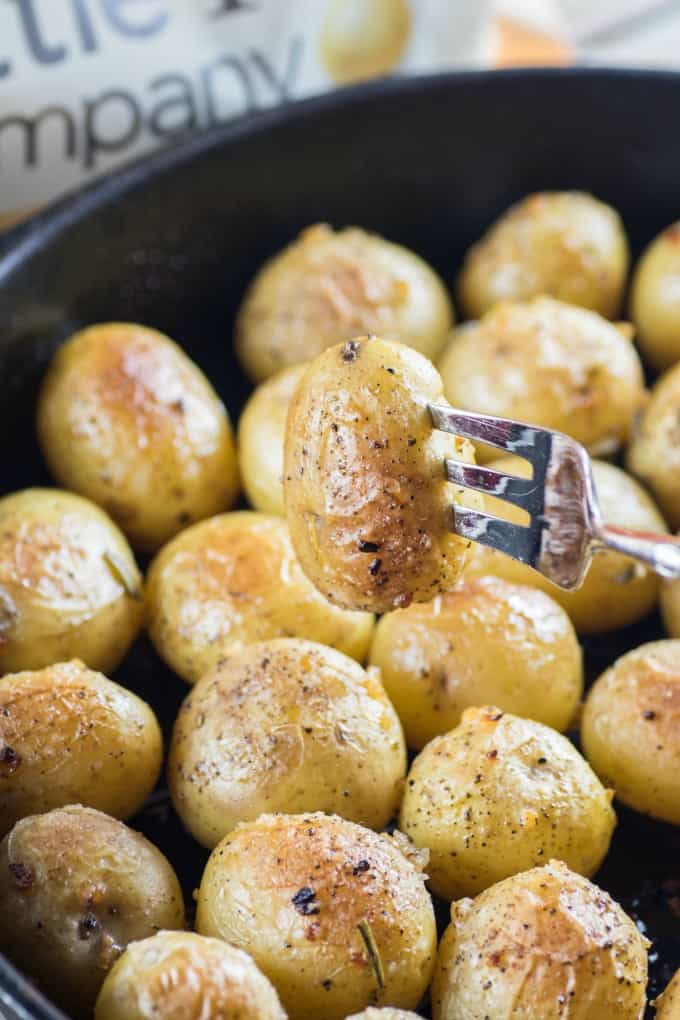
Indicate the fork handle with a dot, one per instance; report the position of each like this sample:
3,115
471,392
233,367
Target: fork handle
660,552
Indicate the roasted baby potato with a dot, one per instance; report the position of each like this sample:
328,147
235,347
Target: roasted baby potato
550,364
234,580
261,434
69,735
330,286
655,300
538,942
367,500
500,794
654,453
126,419
69,585
668,1004
362,39
617,590
335,915
486,641
75,887
563,243
286,725
631,729
177,975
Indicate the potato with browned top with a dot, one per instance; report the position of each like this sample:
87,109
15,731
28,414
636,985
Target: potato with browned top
128,420
654,452
668,1004
70,736
369,507
655,299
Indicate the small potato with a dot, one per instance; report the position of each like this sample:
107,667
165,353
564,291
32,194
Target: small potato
75,887
261,434
233,580
369,507
563,243
655,300
668,1004
654,453
631,729
541,945
500,794
69,584
550,364
128,420
330,286
285,725
484,642
335,915
179,975
68,735
617,591
364,38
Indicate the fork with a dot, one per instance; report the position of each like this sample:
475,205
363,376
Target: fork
565,525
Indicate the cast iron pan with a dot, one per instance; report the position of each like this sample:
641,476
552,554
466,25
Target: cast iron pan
173,241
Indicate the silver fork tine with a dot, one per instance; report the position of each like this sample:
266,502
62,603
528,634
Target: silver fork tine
523,440
523,492
522,543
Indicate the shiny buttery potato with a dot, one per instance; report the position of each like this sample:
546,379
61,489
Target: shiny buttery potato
330,286
563,243
68,735
485,642
654,453
367,500
541,945
75,887
69,585
234,580
180,975
668,1004
631,729
500,794
655,300
261,434
128,420
550,364
617,591
285,725
335,915
363,38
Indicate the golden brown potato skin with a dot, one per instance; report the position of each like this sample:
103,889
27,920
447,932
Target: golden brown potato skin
369,508
328,287
563,243
261,434
668,1004
128,420
631,729
70,736
486,641
75,887
541,945
69,585
617,591
285,725
183,976
500,794
551,364
234,580
654,453
655,300
364,40
293,891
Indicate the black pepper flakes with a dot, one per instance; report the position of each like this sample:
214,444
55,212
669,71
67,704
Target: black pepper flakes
368,547
359,868
304,901
374,566
649,714
10,760
87,926
350,350
22,874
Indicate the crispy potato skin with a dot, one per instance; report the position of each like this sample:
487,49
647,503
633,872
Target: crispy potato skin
69,735
563,243
500,794
285,725
183,976
233,580
616,591
654,453
328,287
486,641
668,1004
75,887
292,890
655,300
69,585
631,729
367,501
261,435
535,942
128,420
551,364
364,40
